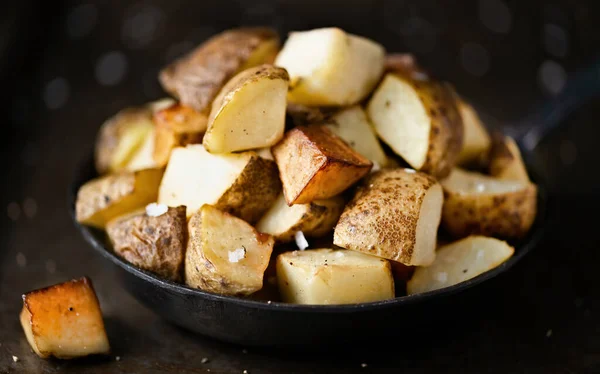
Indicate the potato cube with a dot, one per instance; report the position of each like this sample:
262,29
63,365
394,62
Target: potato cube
243,184
225,255
327,276
316,164
64,320
314,219
249,112
176,126
330,67
105,198
458,262
152,242
395,214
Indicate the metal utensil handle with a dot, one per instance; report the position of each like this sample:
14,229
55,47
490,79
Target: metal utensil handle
581,86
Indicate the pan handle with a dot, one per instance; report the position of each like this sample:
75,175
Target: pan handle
581,86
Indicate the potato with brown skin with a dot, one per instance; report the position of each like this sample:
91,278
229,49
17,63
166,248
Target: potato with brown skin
316,164
225,255
505,161
197,77
64,320
102,199
176,126
153,243
314,219
394,214
477,141
478,204
243,184
418,118
249,112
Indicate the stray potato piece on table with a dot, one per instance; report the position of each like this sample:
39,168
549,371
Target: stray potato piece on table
64,320
176,126
327,276
243,184
394,214
197,77
477,141
102,199
458,262
419,120
225,255
352,125
479,204
505,161
316,164
154,240
249,112
329,67
314,219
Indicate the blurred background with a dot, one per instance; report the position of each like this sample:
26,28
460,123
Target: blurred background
66,66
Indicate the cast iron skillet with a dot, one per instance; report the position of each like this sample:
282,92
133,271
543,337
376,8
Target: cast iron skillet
258,323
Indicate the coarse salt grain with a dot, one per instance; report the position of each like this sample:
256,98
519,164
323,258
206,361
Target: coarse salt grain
301,241
204,360
411,171
155,210
15,358
237,255
441,277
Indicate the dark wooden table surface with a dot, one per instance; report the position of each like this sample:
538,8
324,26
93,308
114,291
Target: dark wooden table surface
85,61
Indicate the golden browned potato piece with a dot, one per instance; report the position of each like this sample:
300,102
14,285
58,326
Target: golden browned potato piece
327,276
477,141
197,77
316,164
505,161
243,184
176,126
478,204
329,67
102,199
64,320
419,120
249,112
314,219
225,255
153,240
458,262
394,214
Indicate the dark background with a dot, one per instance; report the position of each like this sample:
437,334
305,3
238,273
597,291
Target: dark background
66,66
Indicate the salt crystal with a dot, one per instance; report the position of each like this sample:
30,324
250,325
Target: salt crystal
237,255
411,171
156,210
15,358
301,240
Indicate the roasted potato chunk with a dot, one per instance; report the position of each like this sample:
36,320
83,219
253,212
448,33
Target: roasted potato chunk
243,184
176,126
316,164
477,141
314,219
329,67
102,199
197,77
143,157
249,112
505,161
458,262
478,204
153,240
394,214
64,320
419,120
351,124
225,255
327,276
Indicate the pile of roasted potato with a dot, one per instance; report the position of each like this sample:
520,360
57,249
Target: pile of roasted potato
326,139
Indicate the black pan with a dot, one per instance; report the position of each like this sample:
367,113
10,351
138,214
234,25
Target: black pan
258,323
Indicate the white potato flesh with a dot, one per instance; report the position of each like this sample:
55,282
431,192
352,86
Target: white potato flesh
330,67
476,141
401,120
195,177
471,183
265,153
458,262
430,216
142,158
327,276
281,217
352,125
